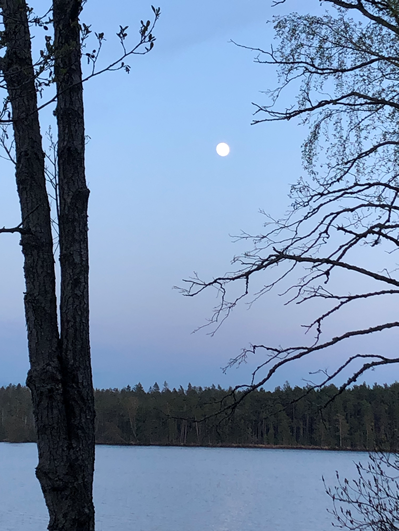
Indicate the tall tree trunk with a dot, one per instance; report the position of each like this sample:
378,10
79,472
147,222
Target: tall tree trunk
74,256
60,374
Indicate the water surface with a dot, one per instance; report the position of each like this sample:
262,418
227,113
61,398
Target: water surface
192,489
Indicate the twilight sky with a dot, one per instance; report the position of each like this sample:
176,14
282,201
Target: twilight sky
163,204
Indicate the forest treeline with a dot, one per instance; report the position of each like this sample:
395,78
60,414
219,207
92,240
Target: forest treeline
361,418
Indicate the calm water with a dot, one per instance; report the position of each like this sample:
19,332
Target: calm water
191,489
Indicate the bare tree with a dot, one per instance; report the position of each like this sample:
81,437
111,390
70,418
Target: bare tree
370,502
60,377
343,68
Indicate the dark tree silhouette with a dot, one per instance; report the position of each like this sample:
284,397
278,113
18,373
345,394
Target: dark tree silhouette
60,370
360,418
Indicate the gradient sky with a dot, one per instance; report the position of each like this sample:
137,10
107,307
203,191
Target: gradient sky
163,204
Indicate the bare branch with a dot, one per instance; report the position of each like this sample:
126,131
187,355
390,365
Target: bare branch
345,73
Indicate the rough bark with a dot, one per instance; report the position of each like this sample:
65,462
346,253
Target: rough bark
74,258
60,374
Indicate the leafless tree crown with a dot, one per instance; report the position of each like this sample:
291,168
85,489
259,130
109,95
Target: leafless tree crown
343,66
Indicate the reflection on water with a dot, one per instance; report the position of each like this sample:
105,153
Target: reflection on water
195,489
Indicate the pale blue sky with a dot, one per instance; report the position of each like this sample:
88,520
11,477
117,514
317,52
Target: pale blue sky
163,203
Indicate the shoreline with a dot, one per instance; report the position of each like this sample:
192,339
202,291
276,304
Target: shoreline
245,446
234,446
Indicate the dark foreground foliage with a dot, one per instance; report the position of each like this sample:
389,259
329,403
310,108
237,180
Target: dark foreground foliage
360,418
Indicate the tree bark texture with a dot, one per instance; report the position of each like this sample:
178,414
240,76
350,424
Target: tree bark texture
60,374
74,254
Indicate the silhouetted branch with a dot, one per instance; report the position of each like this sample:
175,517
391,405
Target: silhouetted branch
369,502
345,73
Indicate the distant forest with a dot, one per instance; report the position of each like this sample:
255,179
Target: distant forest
361,418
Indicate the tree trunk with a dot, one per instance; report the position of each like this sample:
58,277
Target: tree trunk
74,259
60,374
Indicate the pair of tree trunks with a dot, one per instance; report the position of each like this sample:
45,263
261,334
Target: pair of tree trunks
60,377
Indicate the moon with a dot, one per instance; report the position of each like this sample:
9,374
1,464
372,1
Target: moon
222,149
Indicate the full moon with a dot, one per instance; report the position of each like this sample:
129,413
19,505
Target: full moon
222,149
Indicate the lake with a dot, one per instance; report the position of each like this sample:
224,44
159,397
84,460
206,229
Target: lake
191,489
